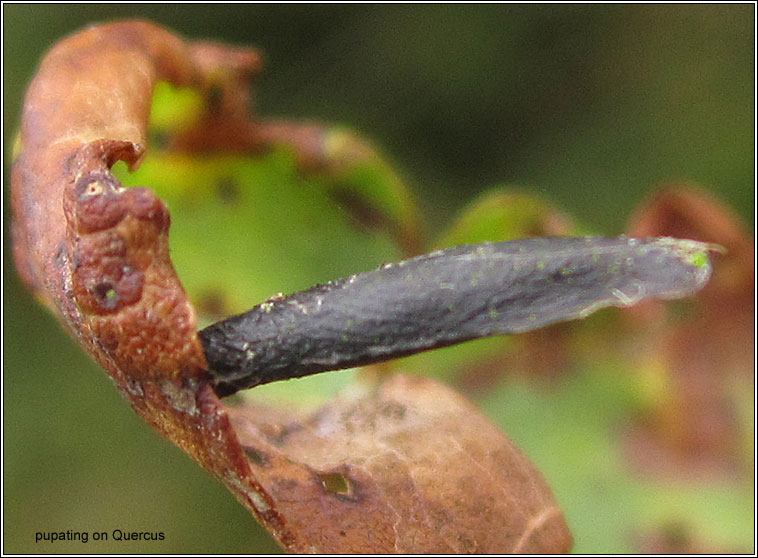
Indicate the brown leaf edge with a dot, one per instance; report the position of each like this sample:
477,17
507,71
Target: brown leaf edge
401,466
706,358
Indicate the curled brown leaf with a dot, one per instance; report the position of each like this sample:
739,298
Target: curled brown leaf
406,466
708,358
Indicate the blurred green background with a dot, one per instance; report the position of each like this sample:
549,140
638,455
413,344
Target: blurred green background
591,107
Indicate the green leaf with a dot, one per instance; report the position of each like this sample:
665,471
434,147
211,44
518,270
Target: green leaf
506,214
245,229
175,109
573,434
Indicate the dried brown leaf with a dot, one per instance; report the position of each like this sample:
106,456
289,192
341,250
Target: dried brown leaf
676,538
706,356
403,466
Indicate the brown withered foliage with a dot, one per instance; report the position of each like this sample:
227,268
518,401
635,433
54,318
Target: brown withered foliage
406,466
672,537
708,356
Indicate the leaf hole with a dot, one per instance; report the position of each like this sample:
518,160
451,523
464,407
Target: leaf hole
106,295
256,457
93,189
336,483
